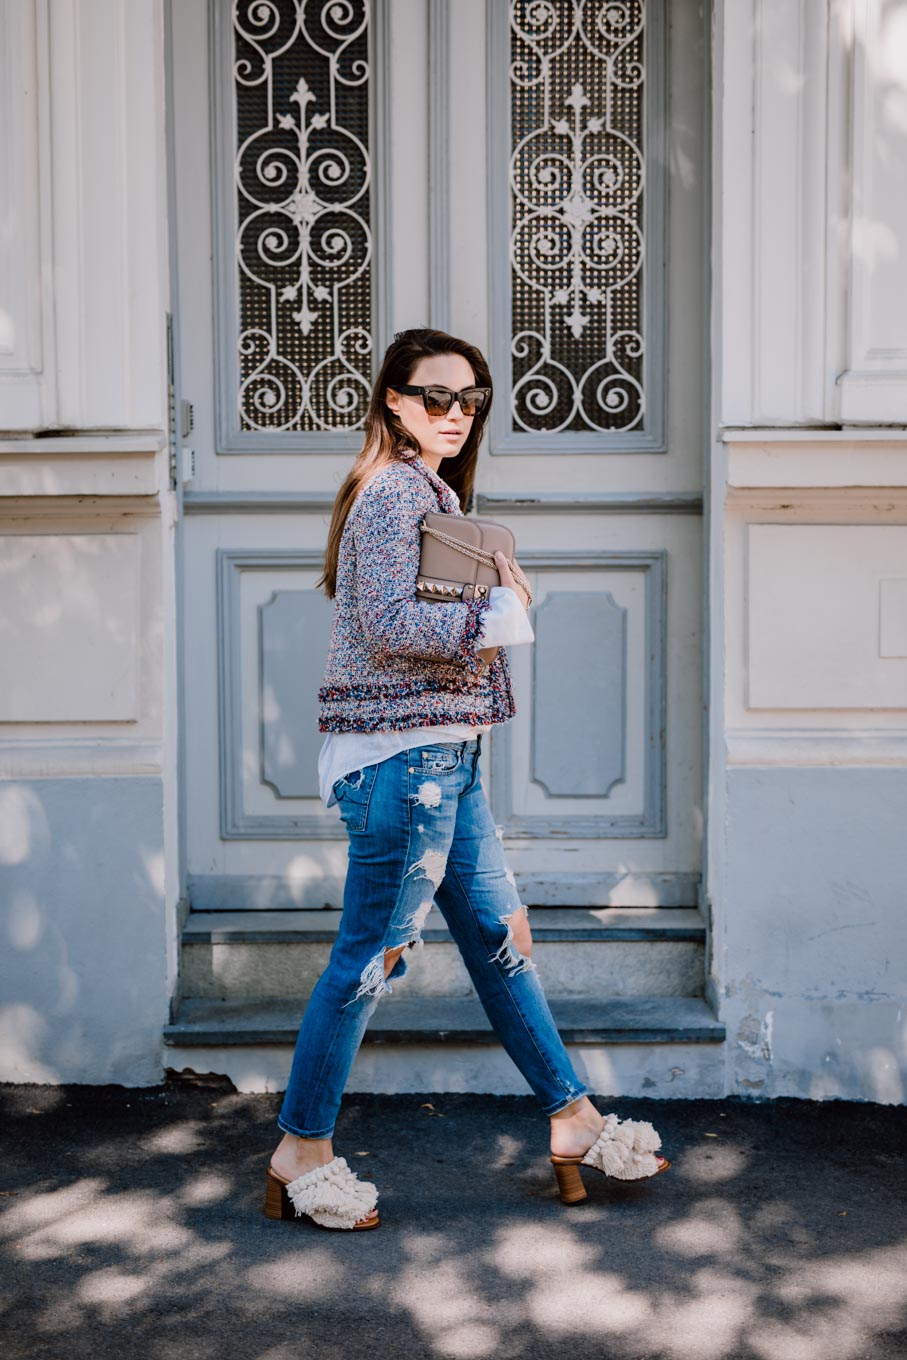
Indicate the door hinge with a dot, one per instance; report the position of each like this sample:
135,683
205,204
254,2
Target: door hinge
171,405
182,457
187,425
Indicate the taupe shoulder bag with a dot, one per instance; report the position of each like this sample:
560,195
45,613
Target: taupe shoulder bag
456,561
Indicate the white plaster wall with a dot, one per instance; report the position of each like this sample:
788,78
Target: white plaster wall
814,938
807,659
82,969
87,789
809,931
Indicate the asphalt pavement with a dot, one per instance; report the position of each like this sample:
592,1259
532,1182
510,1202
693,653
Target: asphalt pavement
131,1225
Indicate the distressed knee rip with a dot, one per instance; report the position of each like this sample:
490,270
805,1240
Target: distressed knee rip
433,866
508,955
375,976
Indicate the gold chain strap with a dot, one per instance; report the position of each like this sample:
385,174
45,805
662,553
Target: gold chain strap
478,554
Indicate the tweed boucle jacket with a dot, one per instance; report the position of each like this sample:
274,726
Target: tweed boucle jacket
394,661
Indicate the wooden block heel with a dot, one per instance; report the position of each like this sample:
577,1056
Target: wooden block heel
277,1202
569,1182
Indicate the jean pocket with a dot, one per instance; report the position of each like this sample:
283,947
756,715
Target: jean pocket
353,792
434,760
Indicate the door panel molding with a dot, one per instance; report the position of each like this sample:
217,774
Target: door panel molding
589,502
236,822
535,502
651,821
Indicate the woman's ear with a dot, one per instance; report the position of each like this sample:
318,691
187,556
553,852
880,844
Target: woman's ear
392,400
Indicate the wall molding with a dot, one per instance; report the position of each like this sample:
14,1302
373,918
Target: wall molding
61,757
812,434
85,442
872,504
811,322
874,383
813,464
775,114
789,746
27,368
42,469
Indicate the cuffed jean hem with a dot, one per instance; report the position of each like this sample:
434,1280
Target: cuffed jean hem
562,1105
301,1133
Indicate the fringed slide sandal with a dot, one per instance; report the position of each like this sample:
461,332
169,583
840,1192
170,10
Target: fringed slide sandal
625,1149
332,1196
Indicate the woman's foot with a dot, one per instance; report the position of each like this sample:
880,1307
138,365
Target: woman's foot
575,1128
295,1156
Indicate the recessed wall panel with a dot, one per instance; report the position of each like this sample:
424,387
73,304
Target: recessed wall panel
821,616
295,633
579,695
69,627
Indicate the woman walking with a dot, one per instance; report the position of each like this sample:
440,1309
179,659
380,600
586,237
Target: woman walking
409,691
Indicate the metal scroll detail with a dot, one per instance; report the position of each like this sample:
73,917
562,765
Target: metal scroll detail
577,78
304,239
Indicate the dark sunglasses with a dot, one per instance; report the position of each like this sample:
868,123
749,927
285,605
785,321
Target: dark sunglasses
438,400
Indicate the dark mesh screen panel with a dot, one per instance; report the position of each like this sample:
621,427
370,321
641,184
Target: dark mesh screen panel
304,240
577,82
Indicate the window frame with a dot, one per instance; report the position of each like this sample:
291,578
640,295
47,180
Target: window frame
230,437
503,438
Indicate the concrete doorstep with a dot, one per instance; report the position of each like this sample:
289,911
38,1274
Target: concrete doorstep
131,1225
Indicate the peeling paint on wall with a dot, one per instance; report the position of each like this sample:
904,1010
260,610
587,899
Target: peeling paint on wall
755,1036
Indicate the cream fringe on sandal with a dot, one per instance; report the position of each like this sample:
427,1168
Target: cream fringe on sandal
333,1196
625,1149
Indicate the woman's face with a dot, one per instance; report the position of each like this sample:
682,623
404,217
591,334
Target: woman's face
438,436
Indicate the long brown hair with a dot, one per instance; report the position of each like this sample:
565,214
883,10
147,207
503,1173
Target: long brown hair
386,438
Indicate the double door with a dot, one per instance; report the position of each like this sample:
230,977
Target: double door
532,178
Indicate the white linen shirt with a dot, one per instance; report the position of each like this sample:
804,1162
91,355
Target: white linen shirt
505,624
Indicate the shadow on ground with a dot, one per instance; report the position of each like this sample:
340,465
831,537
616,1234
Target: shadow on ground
131,1225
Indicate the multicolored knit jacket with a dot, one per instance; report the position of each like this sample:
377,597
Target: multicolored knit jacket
395,661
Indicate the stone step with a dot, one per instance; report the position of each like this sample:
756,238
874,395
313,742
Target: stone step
455,1021
261,956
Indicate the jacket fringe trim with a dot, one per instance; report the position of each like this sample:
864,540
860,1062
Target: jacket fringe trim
406,718
393,689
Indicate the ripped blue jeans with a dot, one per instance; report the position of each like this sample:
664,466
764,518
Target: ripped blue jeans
420,831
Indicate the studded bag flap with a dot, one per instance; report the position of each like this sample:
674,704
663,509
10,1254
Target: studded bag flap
456,561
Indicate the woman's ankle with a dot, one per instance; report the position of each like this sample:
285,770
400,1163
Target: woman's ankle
581,1106
308,1151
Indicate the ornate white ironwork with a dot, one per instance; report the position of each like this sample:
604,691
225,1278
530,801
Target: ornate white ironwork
304,239
577,186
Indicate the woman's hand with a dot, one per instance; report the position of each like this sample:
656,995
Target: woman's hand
507,578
